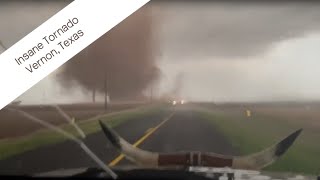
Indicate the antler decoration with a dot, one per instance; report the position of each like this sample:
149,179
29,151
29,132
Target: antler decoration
152,159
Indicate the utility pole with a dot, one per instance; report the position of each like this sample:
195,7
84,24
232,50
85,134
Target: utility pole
43,97
151,93
94,95
94,89
105,92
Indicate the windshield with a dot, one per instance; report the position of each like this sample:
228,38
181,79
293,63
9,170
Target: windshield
216,77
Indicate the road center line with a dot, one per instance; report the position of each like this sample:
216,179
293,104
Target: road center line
141,140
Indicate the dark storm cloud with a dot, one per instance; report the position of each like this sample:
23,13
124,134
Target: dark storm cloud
125,53
233,30
123,56
20,17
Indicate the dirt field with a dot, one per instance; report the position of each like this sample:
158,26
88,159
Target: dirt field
14,125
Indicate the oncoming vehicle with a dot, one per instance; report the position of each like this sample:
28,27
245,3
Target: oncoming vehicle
178,102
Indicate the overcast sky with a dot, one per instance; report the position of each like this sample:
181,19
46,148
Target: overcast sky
243,52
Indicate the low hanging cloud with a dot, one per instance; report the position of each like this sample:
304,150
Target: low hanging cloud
195,30
241,52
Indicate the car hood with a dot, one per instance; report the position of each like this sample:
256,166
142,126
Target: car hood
207,172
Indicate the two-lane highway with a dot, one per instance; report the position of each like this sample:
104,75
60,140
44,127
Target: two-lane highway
178,130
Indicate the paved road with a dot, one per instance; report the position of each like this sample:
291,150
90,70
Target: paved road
183,131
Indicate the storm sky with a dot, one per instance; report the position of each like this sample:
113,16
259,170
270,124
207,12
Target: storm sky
226,52
242,52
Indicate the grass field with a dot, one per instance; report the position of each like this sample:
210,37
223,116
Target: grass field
15,125
15,146
252,134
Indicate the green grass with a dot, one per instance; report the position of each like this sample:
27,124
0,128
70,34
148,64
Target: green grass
255,133
11,147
